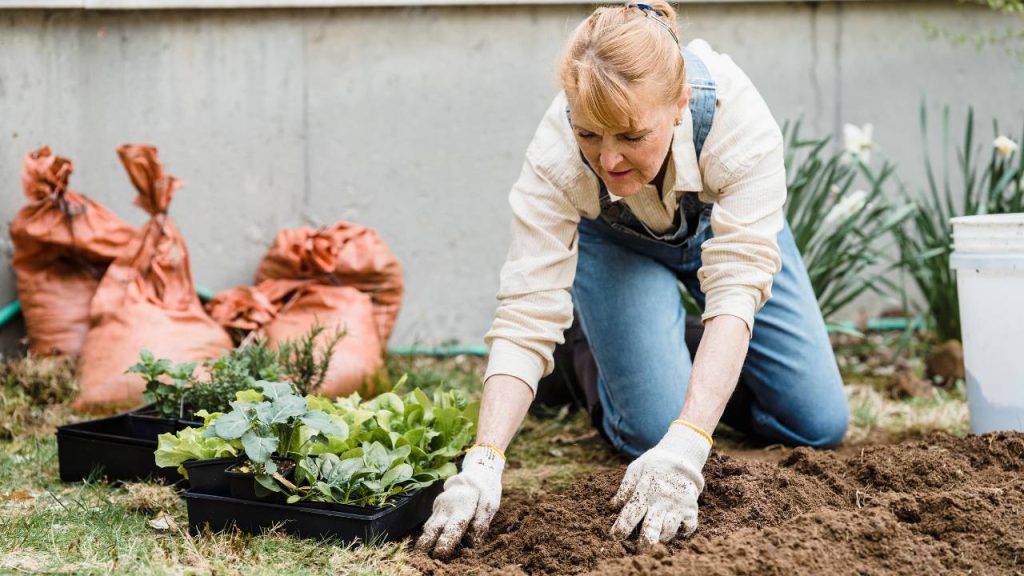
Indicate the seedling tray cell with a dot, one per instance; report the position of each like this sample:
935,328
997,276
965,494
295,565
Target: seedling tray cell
109,446
388,523
208,476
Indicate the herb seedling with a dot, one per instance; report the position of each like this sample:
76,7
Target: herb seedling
168,397
304,362
238,370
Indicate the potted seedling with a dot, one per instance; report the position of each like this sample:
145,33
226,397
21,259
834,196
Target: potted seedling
268,430
202,460
166,387
304,361
123,445
395,447
375,475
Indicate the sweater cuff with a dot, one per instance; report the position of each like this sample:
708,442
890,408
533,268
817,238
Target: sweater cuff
736,301
511,359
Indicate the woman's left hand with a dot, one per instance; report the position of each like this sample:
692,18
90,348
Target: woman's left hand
661,487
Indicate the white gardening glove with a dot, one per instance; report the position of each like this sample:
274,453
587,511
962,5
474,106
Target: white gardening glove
469,500
662,485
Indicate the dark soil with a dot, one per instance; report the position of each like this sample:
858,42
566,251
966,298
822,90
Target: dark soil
940,505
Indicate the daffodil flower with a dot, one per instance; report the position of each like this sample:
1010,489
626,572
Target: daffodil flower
848,206
857,142
1004,146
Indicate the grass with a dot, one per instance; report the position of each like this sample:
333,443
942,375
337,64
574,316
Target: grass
876,418
93,527
869,365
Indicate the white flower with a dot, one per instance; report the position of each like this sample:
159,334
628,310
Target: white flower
857,142
1004,146
848,206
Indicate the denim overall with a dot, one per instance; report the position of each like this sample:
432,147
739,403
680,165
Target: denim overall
626,298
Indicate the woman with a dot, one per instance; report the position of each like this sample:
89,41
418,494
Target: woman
657,164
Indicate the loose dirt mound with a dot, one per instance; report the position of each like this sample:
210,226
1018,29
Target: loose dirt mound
941,504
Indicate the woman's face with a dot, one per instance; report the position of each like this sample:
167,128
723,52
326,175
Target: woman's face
626,160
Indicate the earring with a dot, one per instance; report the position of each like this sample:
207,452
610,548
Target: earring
678,121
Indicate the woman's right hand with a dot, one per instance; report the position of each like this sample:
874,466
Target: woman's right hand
469,501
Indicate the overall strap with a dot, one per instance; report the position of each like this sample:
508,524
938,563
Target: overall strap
703,97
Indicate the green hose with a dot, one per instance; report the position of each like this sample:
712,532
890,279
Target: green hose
14,308
9,312
875,325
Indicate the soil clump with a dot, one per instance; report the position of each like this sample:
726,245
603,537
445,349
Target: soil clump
938,504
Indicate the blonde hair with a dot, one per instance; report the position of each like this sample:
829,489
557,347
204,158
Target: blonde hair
615,50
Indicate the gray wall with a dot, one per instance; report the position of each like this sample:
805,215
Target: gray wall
414,120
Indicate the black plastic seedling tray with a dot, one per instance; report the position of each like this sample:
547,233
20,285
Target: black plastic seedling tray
146,423
108,446
208,476
364,524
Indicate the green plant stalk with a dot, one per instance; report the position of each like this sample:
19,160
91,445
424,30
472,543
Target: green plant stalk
924,244
838,231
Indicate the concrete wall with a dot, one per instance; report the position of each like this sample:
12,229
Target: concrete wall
414,120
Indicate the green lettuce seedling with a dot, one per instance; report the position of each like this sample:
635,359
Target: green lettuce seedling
191,444
395,445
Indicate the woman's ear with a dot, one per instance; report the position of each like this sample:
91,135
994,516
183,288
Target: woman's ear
684,101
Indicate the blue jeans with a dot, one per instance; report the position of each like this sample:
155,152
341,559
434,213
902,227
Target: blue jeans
627,298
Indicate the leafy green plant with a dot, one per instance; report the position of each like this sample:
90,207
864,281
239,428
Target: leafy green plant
193,444
394,445
925,241
304,362
262,361
1009,38
178,393
270,425
231,373
839,212
372,478
166,383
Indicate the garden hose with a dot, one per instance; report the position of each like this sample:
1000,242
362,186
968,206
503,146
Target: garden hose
849,327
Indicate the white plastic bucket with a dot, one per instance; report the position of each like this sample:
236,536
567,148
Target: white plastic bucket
988,256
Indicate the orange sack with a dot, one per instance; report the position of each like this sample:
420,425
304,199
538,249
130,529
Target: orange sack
146,300
283,310
344,254
246,309
63,243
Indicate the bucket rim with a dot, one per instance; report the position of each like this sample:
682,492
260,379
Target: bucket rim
1002,219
